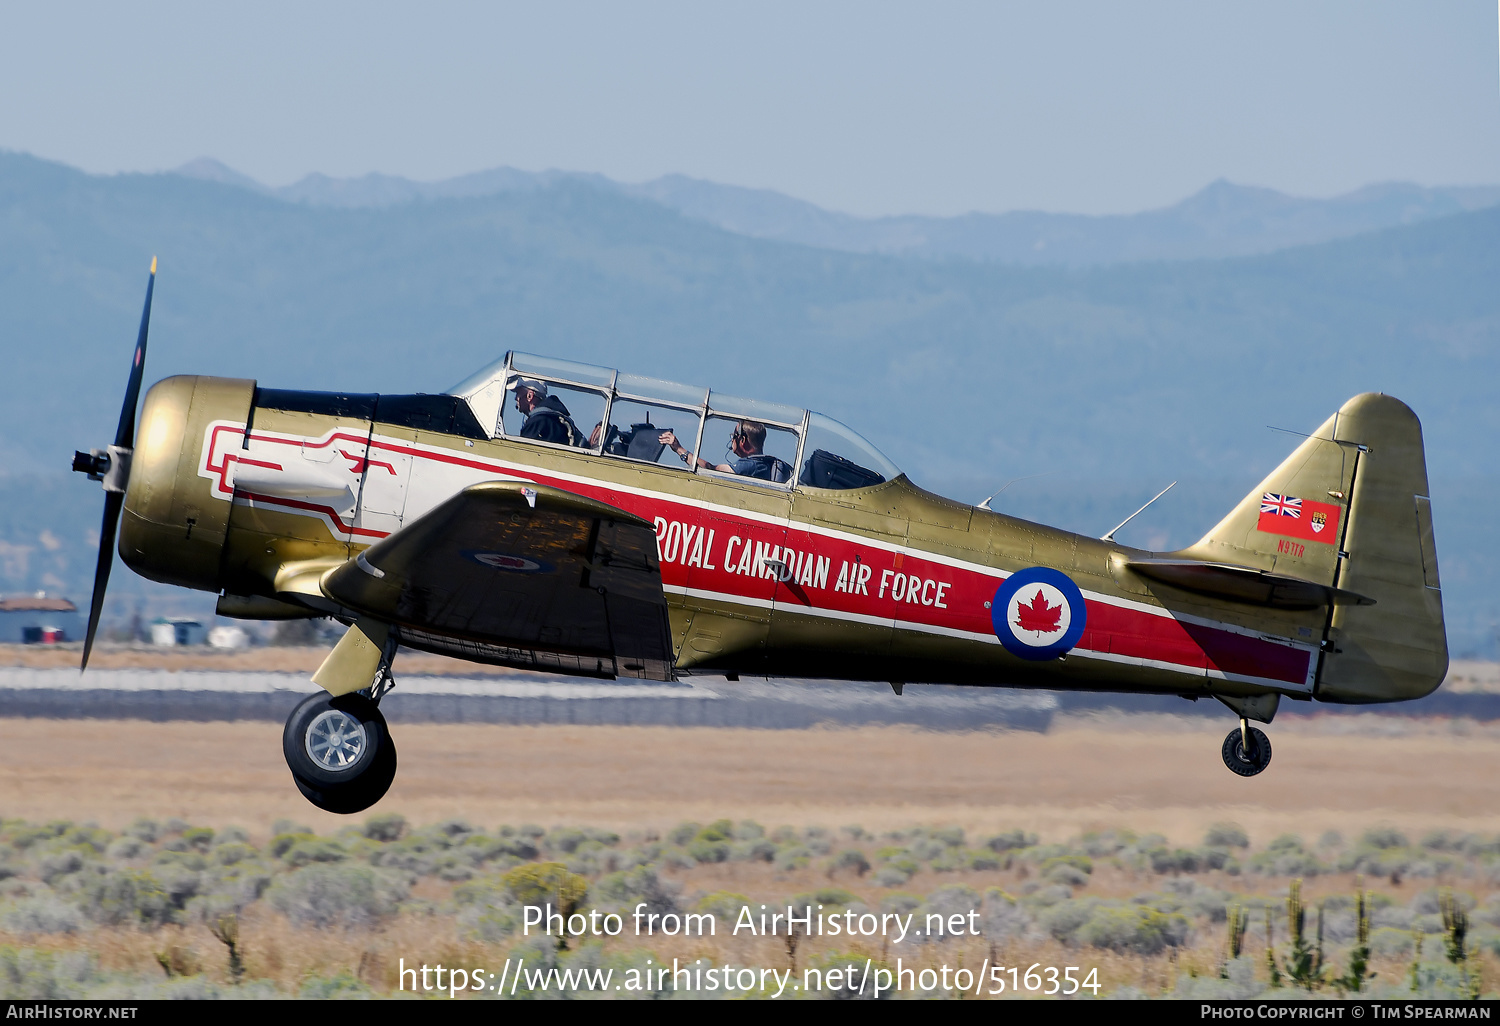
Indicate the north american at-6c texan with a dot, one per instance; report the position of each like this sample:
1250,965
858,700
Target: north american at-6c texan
555,516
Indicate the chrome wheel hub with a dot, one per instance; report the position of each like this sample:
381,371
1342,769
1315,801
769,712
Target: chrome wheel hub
335,740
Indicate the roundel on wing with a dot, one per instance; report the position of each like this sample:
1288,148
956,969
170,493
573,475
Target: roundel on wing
506,561
1038,613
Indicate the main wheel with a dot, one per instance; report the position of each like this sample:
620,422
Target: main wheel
1241,762
332,742
357,795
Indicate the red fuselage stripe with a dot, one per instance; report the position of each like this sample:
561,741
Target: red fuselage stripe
714,551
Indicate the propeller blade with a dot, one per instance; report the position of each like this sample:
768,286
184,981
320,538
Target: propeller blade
113,501
125,433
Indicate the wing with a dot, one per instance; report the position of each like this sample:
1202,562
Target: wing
520,575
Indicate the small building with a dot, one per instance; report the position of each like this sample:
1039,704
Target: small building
176,630
229,636
39,620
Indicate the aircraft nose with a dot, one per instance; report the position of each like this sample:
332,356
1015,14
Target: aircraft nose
174,526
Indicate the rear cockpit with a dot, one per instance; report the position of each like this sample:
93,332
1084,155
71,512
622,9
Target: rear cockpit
558,403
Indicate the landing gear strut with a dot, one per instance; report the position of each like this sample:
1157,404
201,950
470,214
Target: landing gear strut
336,742
1247,750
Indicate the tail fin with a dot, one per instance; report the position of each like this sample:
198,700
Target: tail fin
1350,509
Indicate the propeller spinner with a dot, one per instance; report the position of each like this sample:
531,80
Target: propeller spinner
112,467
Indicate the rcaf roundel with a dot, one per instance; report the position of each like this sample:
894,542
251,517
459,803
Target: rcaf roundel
506,561
1038,613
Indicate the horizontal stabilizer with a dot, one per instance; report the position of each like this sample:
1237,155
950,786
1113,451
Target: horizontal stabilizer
1245,584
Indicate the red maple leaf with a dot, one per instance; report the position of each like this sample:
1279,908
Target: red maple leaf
1038,616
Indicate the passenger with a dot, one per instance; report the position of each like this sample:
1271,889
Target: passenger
547,419
748,440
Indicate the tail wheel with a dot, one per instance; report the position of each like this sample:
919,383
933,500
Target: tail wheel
358,795
334,742
1247,764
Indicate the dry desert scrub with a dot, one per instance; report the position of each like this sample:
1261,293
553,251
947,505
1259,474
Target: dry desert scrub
169,909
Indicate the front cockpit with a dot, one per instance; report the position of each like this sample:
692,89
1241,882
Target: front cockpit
550,402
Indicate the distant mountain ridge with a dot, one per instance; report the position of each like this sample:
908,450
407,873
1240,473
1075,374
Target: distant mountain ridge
1113,380
1222,220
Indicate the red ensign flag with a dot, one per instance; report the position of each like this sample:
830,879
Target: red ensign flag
1299,518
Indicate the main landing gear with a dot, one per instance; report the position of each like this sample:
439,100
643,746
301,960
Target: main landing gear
1247,750
339,749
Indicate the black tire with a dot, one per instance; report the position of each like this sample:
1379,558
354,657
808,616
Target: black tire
330,742
1236,758
359,795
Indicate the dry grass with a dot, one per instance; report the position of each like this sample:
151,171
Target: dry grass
1145,774
287,956
1085,775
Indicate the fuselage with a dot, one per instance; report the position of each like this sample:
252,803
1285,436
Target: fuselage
254,494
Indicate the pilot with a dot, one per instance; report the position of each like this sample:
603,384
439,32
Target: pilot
747,443
547,419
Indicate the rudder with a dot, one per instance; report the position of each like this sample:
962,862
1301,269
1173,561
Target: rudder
1396,649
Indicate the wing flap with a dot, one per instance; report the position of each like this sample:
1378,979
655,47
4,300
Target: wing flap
520,575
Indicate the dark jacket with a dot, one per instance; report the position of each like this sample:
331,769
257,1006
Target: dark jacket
549,421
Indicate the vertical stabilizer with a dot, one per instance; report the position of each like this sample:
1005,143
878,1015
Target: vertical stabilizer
1350,508
1294,521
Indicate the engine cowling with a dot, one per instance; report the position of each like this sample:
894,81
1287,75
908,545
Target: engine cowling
173,527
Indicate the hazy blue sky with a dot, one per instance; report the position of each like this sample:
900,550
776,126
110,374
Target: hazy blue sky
866,107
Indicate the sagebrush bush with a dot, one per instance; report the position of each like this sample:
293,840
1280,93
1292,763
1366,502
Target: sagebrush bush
127,897
1391,942
1136,929
1385,837
144,830
756,850
39,915
342,985
1226,835
954,899
487,911
1064,919
856,981
1010,840
682,833
385,828
833,899
46,975
852,860
900,903
622,891
1065,873
325,895
1002,917
725,905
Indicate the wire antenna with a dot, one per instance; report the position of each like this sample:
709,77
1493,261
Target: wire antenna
1029,477
1111,535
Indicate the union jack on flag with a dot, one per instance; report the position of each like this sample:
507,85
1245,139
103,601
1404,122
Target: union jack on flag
1282,505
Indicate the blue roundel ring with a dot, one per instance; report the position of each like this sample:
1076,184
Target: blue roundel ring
1023,643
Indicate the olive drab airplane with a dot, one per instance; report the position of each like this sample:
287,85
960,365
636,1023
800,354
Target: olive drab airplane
555,516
